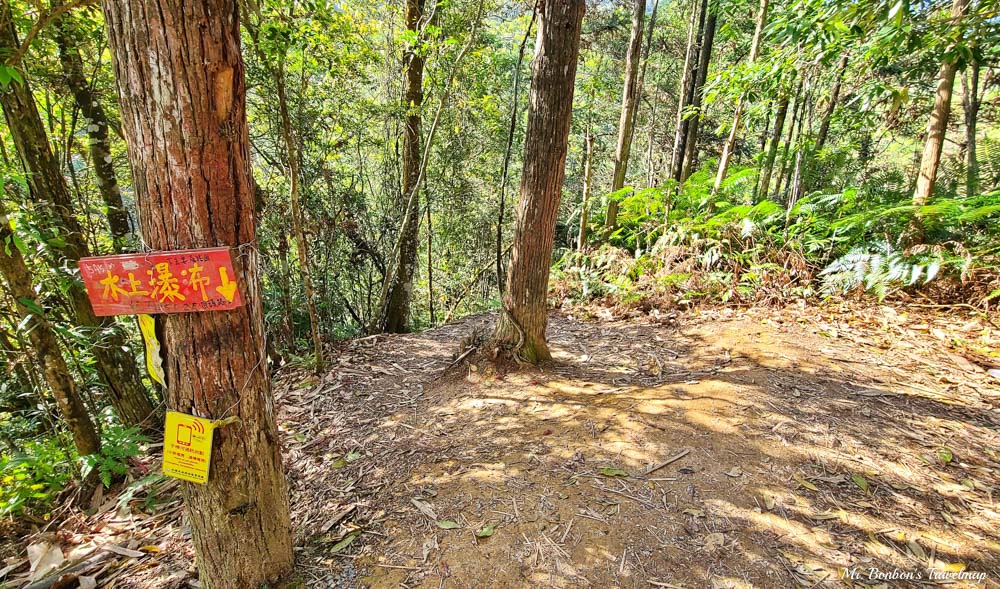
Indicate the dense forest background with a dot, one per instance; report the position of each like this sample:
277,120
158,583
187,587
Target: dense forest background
721,151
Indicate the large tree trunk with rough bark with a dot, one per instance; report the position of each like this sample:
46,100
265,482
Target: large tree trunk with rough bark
397,305
523,319
630,102
96,121
182,90
937,127
54,207
46,346
730,145
704,57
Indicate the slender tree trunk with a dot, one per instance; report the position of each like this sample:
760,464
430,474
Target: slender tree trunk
287,322
688,81
430,259
588,173
704,57
772,150
183,96
937,127
630,102
784,168
397,310
43,339
730,145
831,107
96,121
971,103
523,320
504,173
53,204
301,245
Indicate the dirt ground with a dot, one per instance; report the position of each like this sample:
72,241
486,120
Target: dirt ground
755,448
714,448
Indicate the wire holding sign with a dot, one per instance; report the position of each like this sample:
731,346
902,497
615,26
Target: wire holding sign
163,282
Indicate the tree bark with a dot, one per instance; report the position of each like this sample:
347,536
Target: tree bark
772,150
397,311
301,245
937,127
96,121
704,57
522,323
784,169
971,103
588,173
831,107
730,145
54,206
46,346
630,101
688,80
183,95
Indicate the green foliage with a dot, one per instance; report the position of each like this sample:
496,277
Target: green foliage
31,478
118,445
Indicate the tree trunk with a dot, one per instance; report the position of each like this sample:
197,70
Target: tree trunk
397,309
521,326
301,245
704,57
730,145
630,101
971,103
588,173
181,86
688,80
937,127
46,345
96,121
784,168
824,127
47,186
772,150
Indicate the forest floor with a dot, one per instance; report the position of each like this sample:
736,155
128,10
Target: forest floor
714,448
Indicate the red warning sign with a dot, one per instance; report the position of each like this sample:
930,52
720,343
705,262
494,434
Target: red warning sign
183,281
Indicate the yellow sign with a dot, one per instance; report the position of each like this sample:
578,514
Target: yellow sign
154,363
187,447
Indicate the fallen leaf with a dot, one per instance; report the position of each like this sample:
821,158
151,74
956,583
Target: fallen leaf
447,524
152,548
87,582
352,456
424,508
798,479
945,455
486,532
695,512
613,472
714,541
345,542
339,463
44,558
734,472
860,481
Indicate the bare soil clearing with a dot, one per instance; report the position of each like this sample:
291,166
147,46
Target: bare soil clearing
718,448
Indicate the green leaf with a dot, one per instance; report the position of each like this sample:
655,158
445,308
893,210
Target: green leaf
613,472
345,542
447,524
32,306
945,455
860,481
352,456
486,532
339,463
